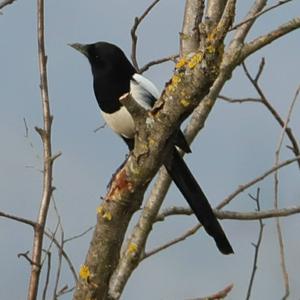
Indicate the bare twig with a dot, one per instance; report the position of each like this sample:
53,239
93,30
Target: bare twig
51,236
276,198
6,2
137,22
256,246
157,62
60,255
26,127
45,134
172,242
245,186
18,219
239,101
271,109
260,69
99,127
232,215
268,38
25,255
220,214
78,235
60,249
47,274
217,296
65,290
279,3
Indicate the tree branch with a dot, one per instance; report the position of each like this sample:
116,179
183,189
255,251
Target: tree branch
256,246
217,296
157,62
18,219
231,215
276,198
272,110
243,187
268,38
239,101
5,3
45,134
258,14
189,36
137,22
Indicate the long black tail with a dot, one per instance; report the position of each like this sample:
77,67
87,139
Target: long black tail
198,202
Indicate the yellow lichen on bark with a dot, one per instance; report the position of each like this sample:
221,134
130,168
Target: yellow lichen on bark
84,272
195,60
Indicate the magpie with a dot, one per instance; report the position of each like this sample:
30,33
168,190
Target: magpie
114,76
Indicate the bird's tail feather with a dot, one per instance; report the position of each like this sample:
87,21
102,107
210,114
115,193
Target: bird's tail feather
198,202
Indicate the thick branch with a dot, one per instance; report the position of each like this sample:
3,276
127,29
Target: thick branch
214,11
189,37
244,27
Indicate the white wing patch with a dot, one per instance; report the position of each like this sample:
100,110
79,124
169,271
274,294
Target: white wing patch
143,91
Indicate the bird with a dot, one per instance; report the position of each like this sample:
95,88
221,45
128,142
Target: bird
114,76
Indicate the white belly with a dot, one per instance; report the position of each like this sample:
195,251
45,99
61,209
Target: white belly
120,122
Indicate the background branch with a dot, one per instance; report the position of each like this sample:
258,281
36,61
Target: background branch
137,22
5,3
256,246
48,160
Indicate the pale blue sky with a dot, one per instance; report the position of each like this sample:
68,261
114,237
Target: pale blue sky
236,145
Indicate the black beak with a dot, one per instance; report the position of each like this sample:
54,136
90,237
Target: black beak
81,48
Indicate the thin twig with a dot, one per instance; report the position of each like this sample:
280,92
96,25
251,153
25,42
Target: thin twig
6,2
25,255
65,290
276,198
272,110
60,255
47,275
137,22
157,62
60,249
217,296
279,3
181,238
237,100
26,128
245,186
50,235
256,246
99,127
18,219
78,235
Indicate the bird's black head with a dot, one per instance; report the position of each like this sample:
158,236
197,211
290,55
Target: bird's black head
112,72
107,60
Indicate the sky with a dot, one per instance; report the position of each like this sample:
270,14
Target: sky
237,144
